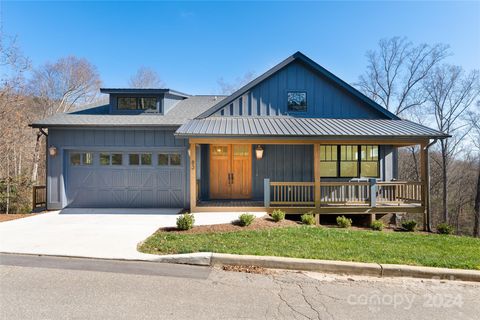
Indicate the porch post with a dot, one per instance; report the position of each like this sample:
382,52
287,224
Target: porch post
316,172
193,177
266,193
425,178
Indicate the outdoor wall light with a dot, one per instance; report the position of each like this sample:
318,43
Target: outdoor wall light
52,151
259,152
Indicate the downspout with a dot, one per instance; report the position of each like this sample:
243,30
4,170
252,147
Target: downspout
428,222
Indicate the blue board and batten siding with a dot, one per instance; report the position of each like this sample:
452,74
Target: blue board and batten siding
324,98
114,140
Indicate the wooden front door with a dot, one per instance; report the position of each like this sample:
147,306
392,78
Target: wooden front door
230,171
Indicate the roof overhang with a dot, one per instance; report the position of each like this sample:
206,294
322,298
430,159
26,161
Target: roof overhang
306,128
143,91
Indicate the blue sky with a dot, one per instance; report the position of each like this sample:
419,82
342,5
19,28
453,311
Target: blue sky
192,44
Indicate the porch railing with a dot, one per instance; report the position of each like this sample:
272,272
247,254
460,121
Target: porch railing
363,193
39,197
399,191
292,193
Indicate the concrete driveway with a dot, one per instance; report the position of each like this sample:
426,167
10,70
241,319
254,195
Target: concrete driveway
96,233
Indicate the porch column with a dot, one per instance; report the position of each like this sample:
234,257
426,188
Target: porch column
193,177
425,178
316,173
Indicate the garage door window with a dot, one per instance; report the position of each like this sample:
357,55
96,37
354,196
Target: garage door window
169,159
143,159
107,159
175,159
81,158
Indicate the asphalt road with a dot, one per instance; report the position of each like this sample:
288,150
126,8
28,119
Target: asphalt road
68,288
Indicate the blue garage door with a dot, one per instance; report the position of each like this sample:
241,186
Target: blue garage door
137,179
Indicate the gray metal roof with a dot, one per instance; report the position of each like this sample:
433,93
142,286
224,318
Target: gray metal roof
304,127
99,115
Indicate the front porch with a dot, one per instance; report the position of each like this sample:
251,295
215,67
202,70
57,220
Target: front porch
268,191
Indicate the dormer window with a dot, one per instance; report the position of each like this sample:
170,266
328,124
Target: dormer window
137,103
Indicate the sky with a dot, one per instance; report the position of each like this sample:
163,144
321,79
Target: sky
194,44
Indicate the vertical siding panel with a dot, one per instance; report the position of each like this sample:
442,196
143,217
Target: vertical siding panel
149,138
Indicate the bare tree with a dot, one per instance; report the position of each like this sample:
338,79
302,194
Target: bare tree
146,78
474,118
61,86
13,66
395,72
450,92
230,87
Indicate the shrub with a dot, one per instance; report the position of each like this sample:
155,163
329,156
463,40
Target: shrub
185,221
445,228
308,218
377,225
278,215
344,222
246,219
409,225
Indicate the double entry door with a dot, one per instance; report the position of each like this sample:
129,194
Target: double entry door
230,171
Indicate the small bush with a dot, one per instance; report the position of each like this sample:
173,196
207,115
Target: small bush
377,225
308,218
185,221
409,225
278,215
344,222
246,219
445,228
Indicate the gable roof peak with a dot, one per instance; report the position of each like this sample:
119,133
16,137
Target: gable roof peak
315,67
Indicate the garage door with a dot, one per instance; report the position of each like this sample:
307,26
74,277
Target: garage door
139,179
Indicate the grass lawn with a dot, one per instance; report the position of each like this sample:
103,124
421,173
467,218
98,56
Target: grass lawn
329,244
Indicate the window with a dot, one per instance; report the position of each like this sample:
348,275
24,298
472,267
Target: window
117,159
81,158
369,162
163,159
75,159
104,159
348,161
175,159
87,158
219,150
172,159
328,157
137,103
144,159
133,159
241,150
297,101
114,159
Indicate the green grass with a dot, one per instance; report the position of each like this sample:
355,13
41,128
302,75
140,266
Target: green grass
330,244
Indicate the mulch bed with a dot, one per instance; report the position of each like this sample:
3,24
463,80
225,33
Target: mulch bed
257,224
13,216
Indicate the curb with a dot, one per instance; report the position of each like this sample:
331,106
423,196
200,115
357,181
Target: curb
325,266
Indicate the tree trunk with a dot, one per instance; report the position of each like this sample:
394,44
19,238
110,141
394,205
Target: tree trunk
36,158
476,227
7,207
444,183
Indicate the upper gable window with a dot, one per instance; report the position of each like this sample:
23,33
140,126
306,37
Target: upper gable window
137,103
297,101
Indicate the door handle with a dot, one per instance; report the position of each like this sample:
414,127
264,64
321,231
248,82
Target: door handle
232,177
229,178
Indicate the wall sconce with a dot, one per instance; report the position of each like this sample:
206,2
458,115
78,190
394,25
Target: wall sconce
52,151
259,152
